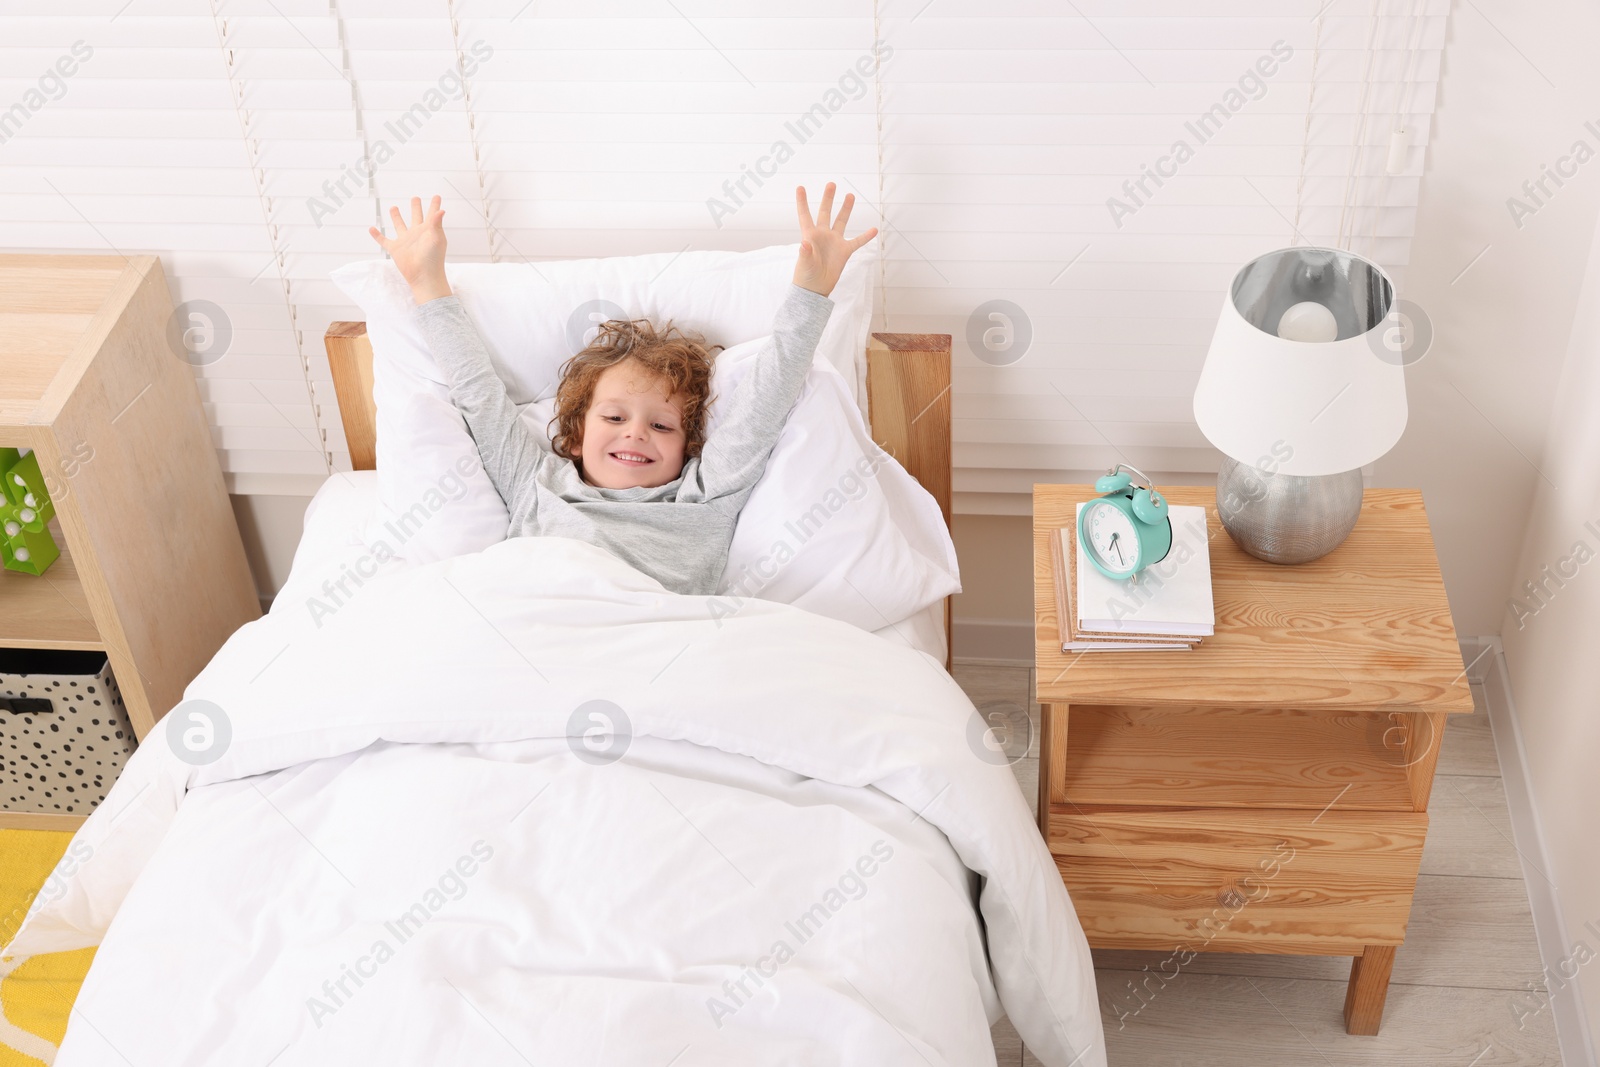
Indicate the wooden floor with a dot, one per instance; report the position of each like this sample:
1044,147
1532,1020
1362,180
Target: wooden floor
1467,988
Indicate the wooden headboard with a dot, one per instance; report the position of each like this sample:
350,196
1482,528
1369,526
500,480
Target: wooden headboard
908,400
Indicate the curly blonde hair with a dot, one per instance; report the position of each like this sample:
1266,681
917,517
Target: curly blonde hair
681,360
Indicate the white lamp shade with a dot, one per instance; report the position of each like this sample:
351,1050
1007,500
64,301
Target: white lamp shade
1305,407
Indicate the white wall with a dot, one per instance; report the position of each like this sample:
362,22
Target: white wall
270,526
993,614
1481,399
1552,638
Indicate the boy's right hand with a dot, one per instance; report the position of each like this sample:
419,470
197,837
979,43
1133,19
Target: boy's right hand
418,250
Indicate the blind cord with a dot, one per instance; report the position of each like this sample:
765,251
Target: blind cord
1358,133
1401,95
883,207
274,234
358,110
472,131
1305,137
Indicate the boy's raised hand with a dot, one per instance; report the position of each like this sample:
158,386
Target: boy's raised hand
823,247
418,249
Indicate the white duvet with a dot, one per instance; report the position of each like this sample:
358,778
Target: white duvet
787,849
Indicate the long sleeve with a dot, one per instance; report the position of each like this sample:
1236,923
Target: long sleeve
736,454
510,454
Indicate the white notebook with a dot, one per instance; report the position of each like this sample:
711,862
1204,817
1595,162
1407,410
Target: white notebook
1061,551
1172,597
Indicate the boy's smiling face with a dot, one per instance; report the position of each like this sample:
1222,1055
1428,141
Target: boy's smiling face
633,431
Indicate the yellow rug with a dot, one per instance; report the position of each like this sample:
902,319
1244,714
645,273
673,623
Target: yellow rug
36,997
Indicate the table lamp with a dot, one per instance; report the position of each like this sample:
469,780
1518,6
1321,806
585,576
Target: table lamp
1299,393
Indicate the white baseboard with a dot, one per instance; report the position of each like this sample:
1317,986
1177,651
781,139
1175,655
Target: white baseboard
1488,666
994,641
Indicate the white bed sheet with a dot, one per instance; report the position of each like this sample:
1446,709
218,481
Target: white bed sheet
604,911
342,509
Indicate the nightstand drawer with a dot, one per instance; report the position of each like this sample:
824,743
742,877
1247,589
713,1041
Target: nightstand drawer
1176,757
1239,881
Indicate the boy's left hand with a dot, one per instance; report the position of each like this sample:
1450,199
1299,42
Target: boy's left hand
823,248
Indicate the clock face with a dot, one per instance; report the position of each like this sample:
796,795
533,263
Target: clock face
1112,537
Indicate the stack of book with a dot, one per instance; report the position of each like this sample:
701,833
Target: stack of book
1165,607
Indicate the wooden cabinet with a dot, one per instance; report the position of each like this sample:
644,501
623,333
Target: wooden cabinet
1268,790
152,569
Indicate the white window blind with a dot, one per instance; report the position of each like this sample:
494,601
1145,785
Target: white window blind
228,136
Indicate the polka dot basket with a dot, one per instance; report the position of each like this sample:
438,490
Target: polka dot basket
64,733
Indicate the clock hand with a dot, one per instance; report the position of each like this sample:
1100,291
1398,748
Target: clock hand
1118,548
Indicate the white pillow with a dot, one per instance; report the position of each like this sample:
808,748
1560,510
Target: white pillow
876,552
836,525
532,317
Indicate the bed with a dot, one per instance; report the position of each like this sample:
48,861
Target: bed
524,806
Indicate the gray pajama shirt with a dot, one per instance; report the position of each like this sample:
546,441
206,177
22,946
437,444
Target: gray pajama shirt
678,533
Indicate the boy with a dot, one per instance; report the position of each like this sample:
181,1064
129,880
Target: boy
630,468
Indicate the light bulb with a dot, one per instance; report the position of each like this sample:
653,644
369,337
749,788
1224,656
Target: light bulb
1308,321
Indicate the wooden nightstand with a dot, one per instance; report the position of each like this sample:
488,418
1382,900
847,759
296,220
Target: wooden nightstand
1268,791
152,570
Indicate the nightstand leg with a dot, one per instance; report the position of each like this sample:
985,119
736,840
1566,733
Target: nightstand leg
1052,760
1369,986
1047,726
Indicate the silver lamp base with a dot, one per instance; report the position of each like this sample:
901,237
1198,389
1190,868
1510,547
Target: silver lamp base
1287,518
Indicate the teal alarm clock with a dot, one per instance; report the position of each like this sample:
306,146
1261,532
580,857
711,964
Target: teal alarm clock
1126,529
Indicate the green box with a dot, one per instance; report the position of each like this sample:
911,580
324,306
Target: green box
29,551
25,490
